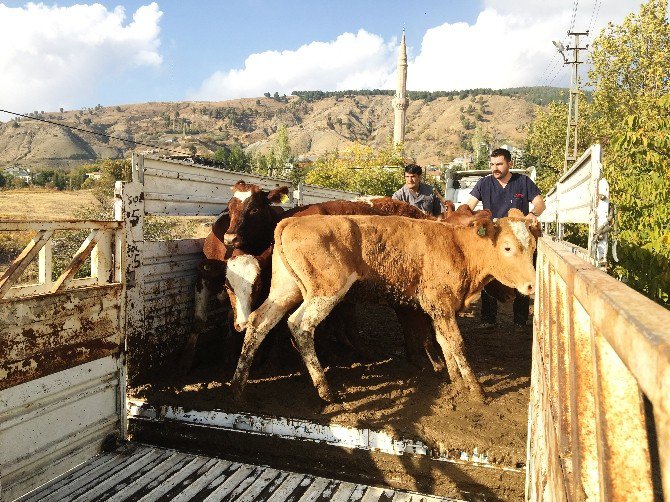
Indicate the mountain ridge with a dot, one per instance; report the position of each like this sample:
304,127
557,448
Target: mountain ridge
439,127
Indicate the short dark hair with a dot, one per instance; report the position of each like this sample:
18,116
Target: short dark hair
413,169
502,152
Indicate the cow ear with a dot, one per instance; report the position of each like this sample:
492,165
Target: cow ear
515,213
275,196
534,228
484,226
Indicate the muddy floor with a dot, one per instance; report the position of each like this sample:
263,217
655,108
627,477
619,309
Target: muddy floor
381,390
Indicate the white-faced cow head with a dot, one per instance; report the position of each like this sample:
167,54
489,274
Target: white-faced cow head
514,239
252,217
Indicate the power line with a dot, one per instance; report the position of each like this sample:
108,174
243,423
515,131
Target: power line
81,129
574,15
594,14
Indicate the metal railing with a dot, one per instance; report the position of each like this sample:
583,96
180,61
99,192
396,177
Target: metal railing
102,245
599,348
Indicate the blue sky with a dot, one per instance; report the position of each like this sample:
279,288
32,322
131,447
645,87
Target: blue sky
75,55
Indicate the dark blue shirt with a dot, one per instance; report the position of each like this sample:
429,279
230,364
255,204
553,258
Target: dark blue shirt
519,192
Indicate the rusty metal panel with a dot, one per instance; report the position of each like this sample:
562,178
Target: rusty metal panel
585,453
45,334
573,198
168,299
619,348
622,434
62,381
51,424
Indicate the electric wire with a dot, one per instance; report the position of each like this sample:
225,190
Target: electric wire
104,135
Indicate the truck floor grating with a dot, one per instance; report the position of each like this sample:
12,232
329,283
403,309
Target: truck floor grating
136,472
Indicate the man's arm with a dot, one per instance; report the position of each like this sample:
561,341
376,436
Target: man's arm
538,207
473,202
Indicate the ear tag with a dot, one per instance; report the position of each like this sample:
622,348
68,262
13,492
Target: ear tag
284,198
481,231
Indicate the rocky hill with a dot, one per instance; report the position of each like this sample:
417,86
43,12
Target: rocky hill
437,130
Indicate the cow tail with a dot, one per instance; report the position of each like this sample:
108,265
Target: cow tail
279,249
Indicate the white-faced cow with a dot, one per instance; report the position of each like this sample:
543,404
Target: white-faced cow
438,267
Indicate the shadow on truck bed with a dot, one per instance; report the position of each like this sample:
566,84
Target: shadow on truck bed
385,393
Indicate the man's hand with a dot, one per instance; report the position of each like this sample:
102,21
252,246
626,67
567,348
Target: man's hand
533,218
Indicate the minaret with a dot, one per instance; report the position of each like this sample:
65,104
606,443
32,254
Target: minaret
400,102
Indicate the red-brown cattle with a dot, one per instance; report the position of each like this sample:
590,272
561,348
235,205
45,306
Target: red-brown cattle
438,267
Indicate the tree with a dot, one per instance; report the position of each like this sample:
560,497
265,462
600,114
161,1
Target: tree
630,75
628,117
360,168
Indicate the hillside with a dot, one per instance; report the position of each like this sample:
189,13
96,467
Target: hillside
437,130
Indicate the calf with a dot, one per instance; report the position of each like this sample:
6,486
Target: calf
434,266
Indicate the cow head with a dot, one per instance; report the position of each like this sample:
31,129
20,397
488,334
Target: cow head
252,218
514,239
247,283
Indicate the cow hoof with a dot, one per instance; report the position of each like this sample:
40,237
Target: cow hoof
237,390
328,396
477,394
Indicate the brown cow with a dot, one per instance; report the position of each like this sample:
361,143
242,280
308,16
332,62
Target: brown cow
440,268
252,222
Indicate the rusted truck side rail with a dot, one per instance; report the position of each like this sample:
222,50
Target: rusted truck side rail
62,363
599,349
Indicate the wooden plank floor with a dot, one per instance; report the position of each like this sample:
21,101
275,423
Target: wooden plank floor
146,473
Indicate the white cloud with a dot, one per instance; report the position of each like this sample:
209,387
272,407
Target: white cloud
508,45
350,61
55,56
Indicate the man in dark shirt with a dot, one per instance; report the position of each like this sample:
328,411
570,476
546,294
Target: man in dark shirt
418,194
499,192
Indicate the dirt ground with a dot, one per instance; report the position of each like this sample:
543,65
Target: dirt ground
385,392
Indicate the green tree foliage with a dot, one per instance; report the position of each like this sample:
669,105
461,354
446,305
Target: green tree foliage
629,117
112,170
233,159
537,95
77,176
51,178
545,141
361,169
630,72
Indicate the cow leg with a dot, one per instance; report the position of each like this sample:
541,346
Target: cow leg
418,333
302,324
451,341
201,299
259,325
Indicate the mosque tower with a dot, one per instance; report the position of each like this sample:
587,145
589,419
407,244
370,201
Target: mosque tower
400,102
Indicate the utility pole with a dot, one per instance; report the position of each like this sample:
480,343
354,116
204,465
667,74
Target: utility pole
573,108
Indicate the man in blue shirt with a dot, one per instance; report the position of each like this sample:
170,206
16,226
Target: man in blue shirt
499,192
418,194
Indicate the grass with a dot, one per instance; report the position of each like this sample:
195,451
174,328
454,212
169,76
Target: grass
44,204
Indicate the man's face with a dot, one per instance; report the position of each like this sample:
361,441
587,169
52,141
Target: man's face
412,181
500,167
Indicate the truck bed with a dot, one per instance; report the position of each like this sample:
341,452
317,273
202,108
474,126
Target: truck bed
140,472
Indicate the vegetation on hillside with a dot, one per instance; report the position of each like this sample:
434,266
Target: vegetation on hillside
630,118
538,95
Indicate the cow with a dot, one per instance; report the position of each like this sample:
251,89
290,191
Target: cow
213,270
250,213
438,267
238,249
